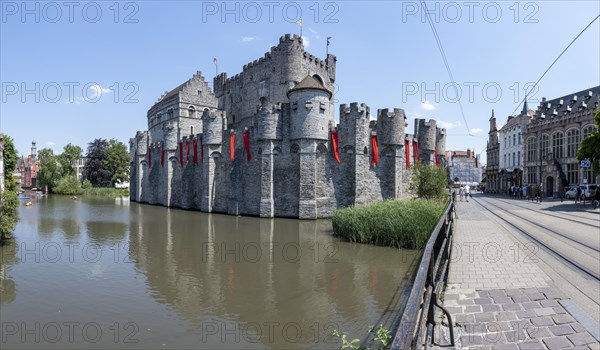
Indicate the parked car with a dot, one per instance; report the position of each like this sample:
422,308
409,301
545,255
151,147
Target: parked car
587,191
571,192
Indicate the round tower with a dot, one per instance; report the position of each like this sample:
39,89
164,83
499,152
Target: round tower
391,126
440,142
268,121
311,110
170,134
426,137
290,49
212,127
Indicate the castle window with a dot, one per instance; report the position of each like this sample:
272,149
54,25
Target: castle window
170,113
321,149
191,130
191,111
318,78
295,149
276,151
365,150
199,92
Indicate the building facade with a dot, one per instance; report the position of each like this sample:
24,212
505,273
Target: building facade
553,138
493,155
464,168
265,143
28,168
511,155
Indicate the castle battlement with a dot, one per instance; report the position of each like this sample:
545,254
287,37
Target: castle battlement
264,139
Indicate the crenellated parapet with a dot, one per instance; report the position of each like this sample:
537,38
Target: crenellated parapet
426,136
269,121
440,142
354,128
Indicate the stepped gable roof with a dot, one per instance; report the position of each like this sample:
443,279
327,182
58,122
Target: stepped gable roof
175,91
309,83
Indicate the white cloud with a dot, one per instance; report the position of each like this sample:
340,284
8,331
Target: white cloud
96,91
476,130
427,106
306,41
315,33
248,39
447,125
51,143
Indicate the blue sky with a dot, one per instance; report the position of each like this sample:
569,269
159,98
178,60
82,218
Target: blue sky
101,66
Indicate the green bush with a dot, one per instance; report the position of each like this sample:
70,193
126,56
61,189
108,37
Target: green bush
403,224
105,192
9,215
86,184
68,185
429,181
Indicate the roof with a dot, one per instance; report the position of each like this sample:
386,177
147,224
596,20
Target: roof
568,104
309,83
175,91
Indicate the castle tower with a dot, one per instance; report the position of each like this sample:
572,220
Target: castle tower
291,49
354,138
427,133
33,150
139,146
213,123
311,116
269,130
171,135
390,134
440,146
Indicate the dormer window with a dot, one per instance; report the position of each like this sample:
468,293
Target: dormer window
560,102
589,95
574,99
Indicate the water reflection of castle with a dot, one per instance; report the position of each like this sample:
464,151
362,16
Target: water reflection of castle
210,268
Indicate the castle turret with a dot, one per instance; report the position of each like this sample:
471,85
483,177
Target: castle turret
440,145
390,126
212,127
268,120
311,110
290,51
427,133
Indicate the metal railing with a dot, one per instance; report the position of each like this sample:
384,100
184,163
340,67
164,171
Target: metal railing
416,327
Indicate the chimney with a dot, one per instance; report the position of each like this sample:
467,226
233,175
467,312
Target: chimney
468,153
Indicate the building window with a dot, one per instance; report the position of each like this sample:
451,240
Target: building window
504,162
557,145
191,130
588,130
531,175
573,174
514,139
545,145
505,142
513,163
531,149
520,141
519,159
191,111
572,142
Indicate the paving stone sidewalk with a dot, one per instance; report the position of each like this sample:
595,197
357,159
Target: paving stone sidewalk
499,297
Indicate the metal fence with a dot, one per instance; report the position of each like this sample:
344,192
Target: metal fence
415,330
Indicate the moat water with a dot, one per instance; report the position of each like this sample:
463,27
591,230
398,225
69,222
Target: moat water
99,273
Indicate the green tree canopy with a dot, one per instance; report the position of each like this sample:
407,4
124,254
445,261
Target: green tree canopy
117,161
10,162
50,170
94,169
68,159
590,146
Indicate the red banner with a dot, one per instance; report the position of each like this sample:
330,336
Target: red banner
375,156
416,151
407,150
149,158
334,144
162,155
437,162
195,152
181,153
187,152
247,145
232,147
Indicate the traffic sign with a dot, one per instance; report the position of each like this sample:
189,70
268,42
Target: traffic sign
585,163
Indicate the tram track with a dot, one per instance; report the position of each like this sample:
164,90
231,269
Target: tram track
552,250
596,223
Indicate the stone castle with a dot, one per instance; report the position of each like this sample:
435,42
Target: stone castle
265,143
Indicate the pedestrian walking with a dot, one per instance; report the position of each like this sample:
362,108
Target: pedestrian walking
578,195
524,191
467,192
461,193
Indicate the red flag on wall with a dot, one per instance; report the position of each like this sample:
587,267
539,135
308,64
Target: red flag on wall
162,155
181,153
201,149
232,146
149,158
437,162
247,145
195,152
334,144
375,155
407,150
187,151
416,151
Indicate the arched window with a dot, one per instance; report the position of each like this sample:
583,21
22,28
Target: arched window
295,149
276,151
321,149
191,130
588,130
191,111
557,145
531,149
318,78
170,113
572,142
545,145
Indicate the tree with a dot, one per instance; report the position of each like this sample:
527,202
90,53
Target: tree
94,169
50,170
429,181
590,146
117,161
68,159
10,162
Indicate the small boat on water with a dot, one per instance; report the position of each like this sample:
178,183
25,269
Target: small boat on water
74,198
28,204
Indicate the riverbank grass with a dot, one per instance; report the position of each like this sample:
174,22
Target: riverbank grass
395,223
